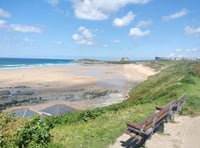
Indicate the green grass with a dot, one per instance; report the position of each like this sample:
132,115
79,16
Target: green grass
97,133
157,65
119,62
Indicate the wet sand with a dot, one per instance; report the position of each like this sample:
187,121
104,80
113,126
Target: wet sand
79,86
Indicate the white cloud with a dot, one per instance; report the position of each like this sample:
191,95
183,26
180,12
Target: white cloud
3,24
86,32
186,52
191,50
176,15
53,2
124,21
25,28
137,32
15,41
144,23
84,36
4,13
19,28
100,9
192,30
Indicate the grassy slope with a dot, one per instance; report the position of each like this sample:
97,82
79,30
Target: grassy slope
99,127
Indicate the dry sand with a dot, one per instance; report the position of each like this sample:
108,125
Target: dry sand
183,133
73,76
55,81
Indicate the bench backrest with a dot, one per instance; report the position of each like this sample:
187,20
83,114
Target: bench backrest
157,117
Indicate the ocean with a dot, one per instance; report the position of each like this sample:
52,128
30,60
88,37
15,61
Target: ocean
9,63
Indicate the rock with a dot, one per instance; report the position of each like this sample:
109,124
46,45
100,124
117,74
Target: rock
6,101
70,96
11,96
76,97
97,93
5,92
19,99
3,98
21,86
17,93
76,90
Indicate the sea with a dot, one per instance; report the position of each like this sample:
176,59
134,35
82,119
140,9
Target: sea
10,63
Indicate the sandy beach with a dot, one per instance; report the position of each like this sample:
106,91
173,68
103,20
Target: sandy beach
79,86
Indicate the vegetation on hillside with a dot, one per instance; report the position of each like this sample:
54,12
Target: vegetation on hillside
89,61
104,125
119,62
181,77
100,127
20,132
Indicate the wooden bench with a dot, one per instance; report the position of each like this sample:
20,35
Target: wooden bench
155,122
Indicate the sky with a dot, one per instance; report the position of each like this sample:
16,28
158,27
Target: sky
100,29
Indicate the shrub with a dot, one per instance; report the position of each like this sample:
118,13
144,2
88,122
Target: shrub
9,126
35,133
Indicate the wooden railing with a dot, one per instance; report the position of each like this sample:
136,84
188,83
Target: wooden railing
143,130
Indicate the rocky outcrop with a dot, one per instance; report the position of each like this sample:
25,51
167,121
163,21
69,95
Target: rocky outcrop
5,92
98,93
20,93
15,95
26,95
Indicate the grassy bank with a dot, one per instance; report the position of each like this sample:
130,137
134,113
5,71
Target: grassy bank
104,125
100,127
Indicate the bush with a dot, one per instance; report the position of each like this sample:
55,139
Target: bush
8,129
35,133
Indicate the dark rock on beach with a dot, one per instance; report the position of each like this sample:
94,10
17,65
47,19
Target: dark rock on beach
72,97
5,100
17,93
4,97
21,86
98,93
5,92
76,90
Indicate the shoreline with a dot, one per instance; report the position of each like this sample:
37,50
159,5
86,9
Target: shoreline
79,86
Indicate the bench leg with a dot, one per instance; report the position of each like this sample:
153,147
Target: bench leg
161,127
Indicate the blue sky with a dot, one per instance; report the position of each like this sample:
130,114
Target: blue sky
102,29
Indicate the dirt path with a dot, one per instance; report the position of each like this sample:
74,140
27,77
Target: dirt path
184,133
